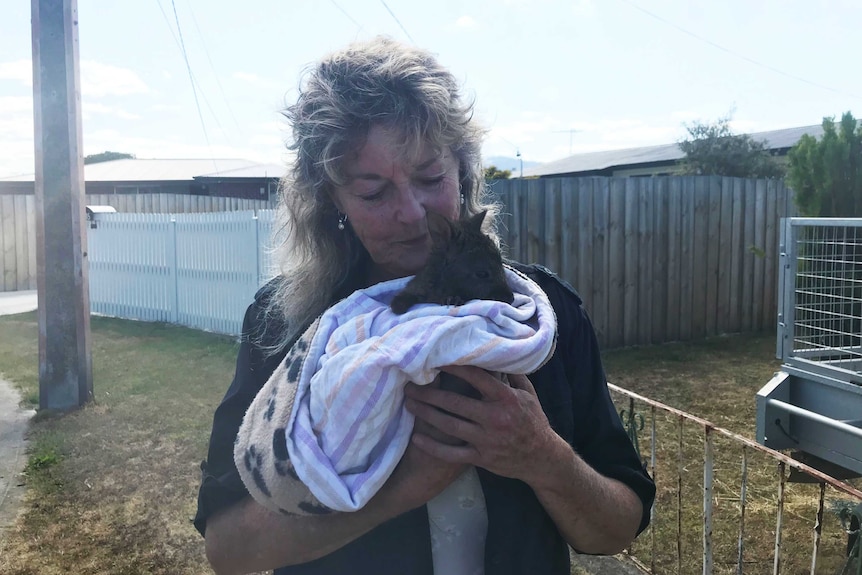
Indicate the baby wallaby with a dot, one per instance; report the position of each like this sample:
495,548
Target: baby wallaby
464,264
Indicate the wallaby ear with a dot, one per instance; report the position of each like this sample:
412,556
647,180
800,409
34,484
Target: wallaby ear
439,227
475,222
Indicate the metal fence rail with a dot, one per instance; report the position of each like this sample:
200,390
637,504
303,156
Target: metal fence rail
734,527
197,270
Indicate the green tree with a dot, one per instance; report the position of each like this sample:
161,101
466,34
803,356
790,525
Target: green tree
826,174
713,149
492,173
107,157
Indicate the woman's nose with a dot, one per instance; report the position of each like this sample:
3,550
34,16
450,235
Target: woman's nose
412,208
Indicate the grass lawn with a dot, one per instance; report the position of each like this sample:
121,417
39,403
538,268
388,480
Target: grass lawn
112,487
717,379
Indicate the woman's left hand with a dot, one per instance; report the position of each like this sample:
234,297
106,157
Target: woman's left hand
504,432
507,433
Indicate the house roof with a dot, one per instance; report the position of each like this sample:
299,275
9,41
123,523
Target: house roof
665,153
153,170
254,171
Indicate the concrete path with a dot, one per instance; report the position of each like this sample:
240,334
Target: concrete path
13,456
17,301
13,426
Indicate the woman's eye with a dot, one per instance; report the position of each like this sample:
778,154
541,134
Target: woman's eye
374,196
432,181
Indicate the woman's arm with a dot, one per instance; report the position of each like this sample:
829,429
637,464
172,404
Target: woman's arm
246,537
595,514
507,433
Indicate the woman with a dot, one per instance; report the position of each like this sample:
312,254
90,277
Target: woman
382,138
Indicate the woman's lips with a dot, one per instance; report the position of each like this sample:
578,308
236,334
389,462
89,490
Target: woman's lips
415,242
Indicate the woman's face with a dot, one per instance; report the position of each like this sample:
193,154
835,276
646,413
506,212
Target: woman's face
387,196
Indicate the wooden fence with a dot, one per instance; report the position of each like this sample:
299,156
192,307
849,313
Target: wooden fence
18,225
655,259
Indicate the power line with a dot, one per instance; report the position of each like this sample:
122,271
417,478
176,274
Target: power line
397,21
736,54
207,52
334,3
191,79
194,79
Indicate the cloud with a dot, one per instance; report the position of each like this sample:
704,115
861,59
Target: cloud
15,104
541,137
247,77
97,79
583,8
144,147
256,80
19,70
465,22
89,108
16,135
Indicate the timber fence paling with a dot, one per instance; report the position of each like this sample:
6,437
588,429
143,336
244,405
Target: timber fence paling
657,259
711,304
654,259
630,270
615,285
599,296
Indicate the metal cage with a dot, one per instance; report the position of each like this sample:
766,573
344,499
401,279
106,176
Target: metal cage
814,404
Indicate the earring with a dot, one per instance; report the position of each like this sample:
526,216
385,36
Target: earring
460,190
342,219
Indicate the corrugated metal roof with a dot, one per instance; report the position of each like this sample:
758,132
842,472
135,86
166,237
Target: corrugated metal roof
608,159
594,161
152,170
143,170
17,178
255,171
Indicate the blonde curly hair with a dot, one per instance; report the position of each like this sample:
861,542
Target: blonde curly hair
378,82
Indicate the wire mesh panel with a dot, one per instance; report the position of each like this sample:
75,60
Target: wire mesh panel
824,311
813,404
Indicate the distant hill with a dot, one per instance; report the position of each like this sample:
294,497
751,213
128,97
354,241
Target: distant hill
506,163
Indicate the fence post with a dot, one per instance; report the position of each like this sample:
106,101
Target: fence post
173,265
776,565
707,500
256,245
740,544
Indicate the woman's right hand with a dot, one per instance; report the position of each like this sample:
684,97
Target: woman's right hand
247,537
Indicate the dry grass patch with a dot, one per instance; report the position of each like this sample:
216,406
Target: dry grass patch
112,486
717,380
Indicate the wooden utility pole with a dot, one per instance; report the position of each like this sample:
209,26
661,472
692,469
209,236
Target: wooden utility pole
65,361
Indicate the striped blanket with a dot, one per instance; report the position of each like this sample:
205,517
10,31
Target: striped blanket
329,426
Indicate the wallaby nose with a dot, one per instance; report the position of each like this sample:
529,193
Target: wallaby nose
505,295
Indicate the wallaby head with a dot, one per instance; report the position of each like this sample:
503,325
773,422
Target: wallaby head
464,264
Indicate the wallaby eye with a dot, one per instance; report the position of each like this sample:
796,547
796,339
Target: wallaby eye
483,274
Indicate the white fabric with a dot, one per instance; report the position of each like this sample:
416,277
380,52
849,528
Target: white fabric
458,521
348,427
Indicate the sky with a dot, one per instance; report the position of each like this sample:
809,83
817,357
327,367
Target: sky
549,78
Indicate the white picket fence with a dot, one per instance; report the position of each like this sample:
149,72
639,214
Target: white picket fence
198,270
